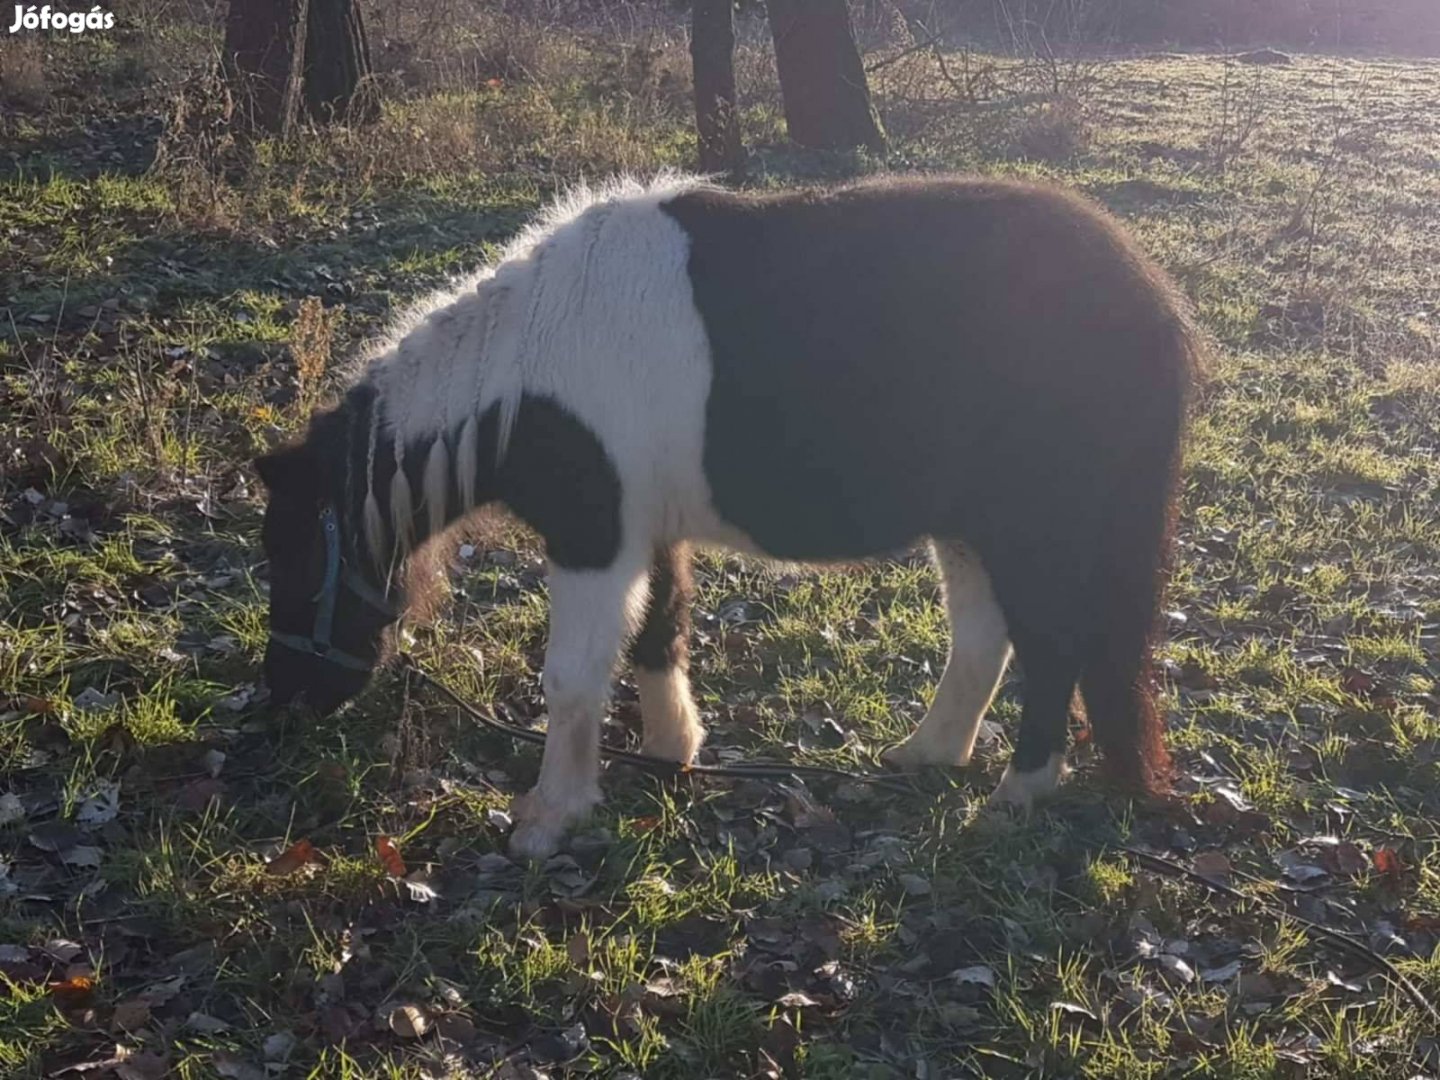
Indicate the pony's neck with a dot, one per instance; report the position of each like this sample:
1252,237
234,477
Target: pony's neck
430,422
400,494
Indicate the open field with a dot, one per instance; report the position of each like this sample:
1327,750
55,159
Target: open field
159,335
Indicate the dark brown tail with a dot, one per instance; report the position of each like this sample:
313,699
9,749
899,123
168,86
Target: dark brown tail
1118,679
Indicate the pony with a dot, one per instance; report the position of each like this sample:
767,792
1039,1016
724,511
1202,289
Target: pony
817,375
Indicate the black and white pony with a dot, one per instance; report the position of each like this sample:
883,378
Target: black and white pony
826,375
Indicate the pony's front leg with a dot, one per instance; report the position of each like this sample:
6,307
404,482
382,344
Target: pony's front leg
591,614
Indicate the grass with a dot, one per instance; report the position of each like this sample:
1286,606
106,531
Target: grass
709,929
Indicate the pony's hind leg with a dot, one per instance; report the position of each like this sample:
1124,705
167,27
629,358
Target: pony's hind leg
1051,669
1042,568
591,614
660,653
979,651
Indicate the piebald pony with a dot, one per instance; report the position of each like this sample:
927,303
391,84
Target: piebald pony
817,375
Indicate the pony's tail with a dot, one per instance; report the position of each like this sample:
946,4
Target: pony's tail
1118,681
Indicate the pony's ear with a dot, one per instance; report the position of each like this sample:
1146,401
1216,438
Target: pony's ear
290,468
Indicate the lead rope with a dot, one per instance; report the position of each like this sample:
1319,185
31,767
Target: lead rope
759,770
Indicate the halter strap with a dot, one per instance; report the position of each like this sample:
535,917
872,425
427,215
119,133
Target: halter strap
336,575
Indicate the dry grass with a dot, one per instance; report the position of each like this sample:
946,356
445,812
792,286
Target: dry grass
22,74
1058,131
467,91
311,337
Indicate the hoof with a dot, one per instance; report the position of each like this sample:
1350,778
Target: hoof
673,731
678,745
541,823
1022,790
914,754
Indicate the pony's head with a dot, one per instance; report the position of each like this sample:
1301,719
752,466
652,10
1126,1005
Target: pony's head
328,620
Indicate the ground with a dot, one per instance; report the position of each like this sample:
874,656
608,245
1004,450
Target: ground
191,881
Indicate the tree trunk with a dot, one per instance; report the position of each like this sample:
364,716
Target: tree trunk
264,50
282,53
827,101
337,62
712,54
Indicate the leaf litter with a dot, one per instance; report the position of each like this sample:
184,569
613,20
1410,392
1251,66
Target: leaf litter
855,913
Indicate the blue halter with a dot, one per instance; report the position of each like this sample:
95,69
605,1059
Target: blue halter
336,575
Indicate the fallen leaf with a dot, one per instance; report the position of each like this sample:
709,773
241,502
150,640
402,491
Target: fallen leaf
408,1021
498,820
1256,986
102,807
560,1046
120,1055
1145,939
1347,859
1232,796
805,812
1070,1008
1173,965
989,732
206,1024
914,884
92,700
1335,980
1356,682
1222,974
456,1028
419,887
796,1000
80,970
1297,868
1384,939
296,856
55,836
664,996
72,993
277,1047
977,975
237,701
390,856
1214,865
31,705
62,950
11,809
130,1015
1388,862
160,993
82,855
195,961
224,644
